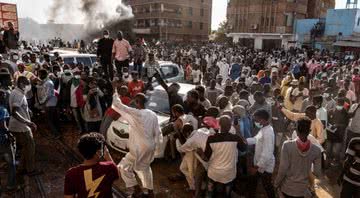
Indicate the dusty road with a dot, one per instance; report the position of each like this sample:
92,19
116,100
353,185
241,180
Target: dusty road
54,162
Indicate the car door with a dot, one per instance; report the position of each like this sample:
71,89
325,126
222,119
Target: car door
171,73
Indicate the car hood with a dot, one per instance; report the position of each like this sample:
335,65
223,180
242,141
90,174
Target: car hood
162,118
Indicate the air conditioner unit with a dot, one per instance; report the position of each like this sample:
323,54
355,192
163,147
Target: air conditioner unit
254,26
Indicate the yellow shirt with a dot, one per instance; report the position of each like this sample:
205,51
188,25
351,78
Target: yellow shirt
317,129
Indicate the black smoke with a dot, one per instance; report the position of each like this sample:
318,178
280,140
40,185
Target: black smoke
99,15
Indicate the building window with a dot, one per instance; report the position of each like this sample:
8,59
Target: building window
202,12
189,24
358,21
201,26
178,11
288,19
190,11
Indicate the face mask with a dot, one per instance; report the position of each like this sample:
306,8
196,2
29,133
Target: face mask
16,57
27,88
258,125
106,36
339,107
77,76
58,73
326,95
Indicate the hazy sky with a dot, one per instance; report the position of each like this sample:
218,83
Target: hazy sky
39,9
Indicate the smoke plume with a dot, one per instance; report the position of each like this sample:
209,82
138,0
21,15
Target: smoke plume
96,15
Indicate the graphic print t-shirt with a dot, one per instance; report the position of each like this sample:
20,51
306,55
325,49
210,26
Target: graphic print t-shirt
91,181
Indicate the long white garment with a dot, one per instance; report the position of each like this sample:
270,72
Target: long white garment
144,133
223,69
188,166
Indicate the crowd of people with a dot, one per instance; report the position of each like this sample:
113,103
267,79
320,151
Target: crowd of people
252,113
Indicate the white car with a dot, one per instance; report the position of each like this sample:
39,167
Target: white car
86,59
117,134
170,71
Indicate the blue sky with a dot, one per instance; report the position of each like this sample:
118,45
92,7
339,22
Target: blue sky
39,9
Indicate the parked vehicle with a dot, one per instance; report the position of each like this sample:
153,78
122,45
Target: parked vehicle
117,134
87,59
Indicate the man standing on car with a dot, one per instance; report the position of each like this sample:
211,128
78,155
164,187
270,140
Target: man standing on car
104,53
121,53
11,37
144,133
152,67
139,55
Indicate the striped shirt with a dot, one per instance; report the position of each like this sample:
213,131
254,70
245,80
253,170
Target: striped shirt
352,164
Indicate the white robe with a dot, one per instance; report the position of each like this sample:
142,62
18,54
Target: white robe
144,132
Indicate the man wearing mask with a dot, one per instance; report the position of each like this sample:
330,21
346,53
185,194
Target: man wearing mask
121,53
76,88
144,136
47,99
264,159
11,37
104,52
21,126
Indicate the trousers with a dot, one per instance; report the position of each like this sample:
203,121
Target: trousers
79,119
126,167
25,141
52,119
188,168
7,153
108,68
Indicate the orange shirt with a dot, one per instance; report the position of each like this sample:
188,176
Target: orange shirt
135,87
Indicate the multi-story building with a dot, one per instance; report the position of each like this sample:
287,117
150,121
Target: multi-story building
270,23
181,20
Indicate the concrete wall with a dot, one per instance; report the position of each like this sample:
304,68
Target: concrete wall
303,28
340,20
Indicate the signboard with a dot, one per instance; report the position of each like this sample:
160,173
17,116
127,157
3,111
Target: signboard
8,13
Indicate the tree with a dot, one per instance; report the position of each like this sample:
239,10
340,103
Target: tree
220,33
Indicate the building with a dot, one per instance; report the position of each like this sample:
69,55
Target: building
270,23
180,20
318,8
341,28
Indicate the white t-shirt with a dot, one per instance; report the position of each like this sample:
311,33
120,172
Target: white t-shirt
351,96
196,74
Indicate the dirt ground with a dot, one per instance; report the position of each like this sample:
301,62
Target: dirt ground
54,164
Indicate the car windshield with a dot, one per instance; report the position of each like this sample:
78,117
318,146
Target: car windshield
84,60
93,59
158,101
69,60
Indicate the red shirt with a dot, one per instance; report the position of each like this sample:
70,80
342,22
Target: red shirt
135,87
112,113
125,100
91,181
